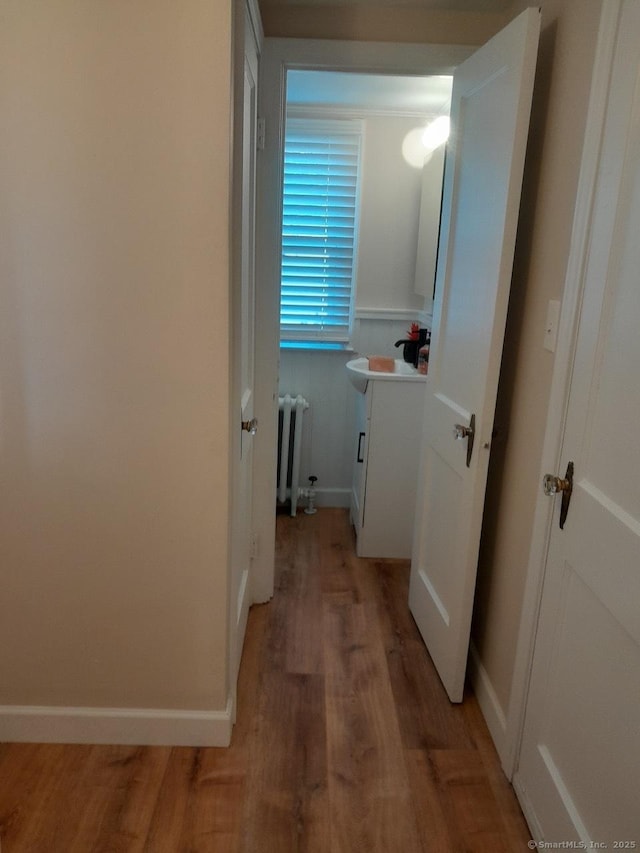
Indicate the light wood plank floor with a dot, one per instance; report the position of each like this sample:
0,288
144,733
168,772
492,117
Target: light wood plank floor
345,740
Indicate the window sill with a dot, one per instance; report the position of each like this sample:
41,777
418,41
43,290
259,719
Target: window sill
321,346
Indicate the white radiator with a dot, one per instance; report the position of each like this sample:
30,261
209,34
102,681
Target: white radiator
289,447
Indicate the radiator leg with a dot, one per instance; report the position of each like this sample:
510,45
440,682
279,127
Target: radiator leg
284,456
297,446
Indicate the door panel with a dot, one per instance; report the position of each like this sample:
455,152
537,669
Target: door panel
580,754
483,175
243,377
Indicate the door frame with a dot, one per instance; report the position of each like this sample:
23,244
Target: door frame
247,31
561,380
278,56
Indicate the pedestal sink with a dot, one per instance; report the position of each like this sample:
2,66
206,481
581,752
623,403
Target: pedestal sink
360,375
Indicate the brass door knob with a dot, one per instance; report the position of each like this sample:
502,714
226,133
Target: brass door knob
553,485
250,426
460,431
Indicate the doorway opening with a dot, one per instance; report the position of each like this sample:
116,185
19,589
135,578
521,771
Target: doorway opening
360,198
278,59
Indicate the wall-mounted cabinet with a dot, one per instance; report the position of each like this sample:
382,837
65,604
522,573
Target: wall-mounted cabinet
386,449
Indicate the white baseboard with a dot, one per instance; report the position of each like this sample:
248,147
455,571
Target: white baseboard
333,497
139,726
527,809
325,497
489,705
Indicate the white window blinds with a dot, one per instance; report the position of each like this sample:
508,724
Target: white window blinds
319,226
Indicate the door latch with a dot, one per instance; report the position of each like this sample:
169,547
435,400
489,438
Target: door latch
461,432
552,485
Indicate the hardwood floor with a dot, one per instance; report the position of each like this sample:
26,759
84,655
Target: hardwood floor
345,740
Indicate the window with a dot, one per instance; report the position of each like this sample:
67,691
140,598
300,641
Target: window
319,229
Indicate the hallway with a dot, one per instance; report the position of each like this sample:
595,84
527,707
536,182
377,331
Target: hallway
354,744
345,740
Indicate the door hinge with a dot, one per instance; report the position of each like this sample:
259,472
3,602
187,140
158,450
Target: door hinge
260,134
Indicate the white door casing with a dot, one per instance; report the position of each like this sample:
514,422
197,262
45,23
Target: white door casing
577,775
243,359
277,57
483,175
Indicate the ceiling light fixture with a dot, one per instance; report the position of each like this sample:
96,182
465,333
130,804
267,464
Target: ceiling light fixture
436,133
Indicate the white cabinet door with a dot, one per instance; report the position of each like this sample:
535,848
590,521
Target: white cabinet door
359,482
579,768
390,454
483,175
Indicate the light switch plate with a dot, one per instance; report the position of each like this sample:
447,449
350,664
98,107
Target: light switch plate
551,325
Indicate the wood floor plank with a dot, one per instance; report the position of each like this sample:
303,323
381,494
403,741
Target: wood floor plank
286,807
106,797
428,719
214,802
29,792
249,677
369,788
471,810
336,544
171,805
513,822
127,826
299,571
432,817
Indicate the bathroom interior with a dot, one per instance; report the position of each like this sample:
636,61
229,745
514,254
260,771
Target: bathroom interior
398,217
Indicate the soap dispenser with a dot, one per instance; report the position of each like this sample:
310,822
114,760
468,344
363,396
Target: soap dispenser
423,354
412,346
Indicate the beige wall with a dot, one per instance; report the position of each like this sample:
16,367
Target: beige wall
569,29
384,23
114,189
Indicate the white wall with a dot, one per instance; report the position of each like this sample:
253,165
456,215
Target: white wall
114,353
321,378
390,204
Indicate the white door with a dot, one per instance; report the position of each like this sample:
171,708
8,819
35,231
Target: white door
579,769
483,175
243,361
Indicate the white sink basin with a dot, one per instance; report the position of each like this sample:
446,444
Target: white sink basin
359,373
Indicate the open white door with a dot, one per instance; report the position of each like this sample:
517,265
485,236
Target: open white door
580,756
483,176
243,425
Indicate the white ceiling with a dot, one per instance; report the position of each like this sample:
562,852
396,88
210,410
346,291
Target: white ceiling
388,93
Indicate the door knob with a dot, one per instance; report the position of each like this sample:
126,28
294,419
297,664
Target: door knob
460,431
250,426
553,485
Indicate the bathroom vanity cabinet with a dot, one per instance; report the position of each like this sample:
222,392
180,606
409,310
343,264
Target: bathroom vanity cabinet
389,418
